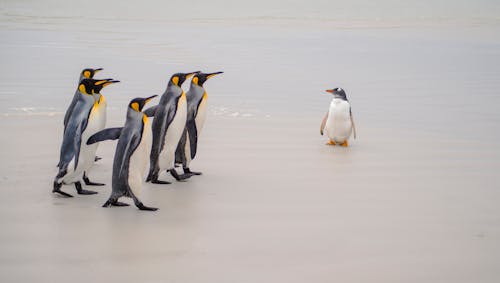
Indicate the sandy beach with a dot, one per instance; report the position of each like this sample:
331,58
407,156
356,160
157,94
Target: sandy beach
413,199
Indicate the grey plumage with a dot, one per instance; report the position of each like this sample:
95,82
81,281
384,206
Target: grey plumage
193,97
72,140
71,168
189,139
165,113
76,124
85,74
130,136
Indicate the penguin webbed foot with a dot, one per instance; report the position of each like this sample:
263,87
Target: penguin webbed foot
141,206
178,177
57,189
153,178
87,181
114,202
86,192
159,182
193,173
81,191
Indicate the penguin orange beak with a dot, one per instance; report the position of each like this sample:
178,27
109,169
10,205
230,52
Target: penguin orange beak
329,90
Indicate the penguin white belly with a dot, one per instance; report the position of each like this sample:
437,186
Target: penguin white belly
139,161
201,114
187,151
338,124
101,116
173,135
100,122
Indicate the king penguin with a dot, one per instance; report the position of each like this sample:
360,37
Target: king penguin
77,157
131,155
85,74
168,125
196,114
338,122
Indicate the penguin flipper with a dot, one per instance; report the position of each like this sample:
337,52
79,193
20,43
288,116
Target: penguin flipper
180,157
70,148
151,111
193,137
70,110
323,124
106,134
158,128
353,126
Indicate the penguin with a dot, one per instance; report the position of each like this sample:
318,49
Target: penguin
101,123
77,157
338,122
85,74
197,111
168,126
131,155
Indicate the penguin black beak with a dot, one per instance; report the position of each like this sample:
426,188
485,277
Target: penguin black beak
98,70
149,98
188,75
110,82
105,82
213,74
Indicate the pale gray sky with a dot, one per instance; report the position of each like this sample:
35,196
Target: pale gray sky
356,10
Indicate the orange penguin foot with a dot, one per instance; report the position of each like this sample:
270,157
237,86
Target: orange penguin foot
330,142
344,144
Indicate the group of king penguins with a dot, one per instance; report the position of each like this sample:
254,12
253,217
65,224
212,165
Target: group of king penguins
170,140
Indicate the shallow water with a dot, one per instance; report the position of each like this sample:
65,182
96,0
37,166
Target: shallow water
425,76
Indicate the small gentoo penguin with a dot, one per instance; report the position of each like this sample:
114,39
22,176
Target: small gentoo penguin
168,125
131,155
338,122
197,112
85,74
76,156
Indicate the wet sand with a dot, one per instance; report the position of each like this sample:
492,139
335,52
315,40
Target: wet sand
274,204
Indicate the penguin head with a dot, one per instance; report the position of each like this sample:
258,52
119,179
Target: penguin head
338,93
100,84
89,73
201,78
91,86
179,78
138,103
